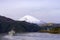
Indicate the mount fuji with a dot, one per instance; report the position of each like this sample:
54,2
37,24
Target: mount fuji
30,19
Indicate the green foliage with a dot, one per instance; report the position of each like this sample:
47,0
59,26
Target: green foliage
55,30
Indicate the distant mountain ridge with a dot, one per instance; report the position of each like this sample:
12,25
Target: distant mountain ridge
30,19
7,24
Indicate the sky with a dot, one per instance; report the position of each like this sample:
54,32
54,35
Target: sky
44,10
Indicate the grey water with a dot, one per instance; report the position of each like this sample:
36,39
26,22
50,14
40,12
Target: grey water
30,36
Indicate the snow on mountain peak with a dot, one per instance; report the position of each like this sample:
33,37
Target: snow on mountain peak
30,19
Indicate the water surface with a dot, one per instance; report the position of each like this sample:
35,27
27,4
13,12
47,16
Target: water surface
31,36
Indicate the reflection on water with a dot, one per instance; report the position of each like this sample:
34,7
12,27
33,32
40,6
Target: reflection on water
31,36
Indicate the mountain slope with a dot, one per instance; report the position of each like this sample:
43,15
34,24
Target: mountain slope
29,19
5,19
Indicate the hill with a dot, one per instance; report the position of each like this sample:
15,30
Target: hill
7,24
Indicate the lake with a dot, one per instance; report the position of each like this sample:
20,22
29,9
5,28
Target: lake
31,36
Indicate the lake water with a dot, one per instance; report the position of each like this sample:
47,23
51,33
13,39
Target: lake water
31,36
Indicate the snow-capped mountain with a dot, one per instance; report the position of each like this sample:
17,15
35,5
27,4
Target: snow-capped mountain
30,19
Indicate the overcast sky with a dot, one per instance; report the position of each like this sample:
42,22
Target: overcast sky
45,10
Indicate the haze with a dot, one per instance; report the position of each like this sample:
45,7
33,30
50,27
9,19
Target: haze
45,10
